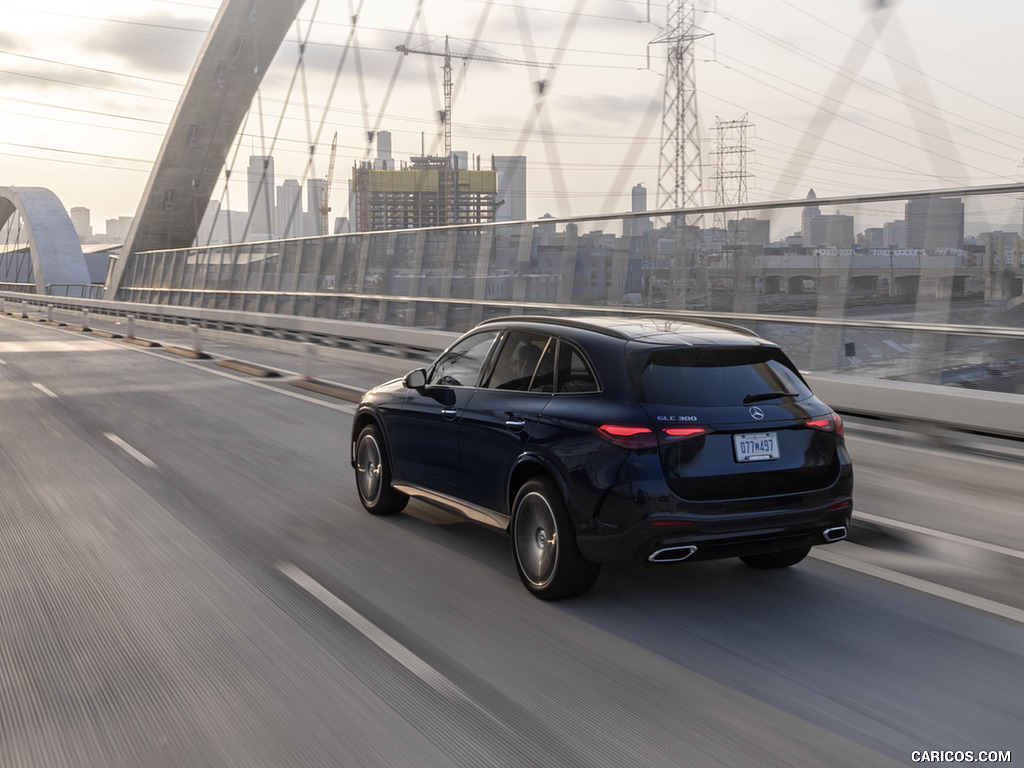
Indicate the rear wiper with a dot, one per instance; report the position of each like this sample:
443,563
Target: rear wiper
768,396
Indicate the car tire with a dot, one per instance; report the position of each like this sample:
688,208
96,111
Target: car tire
772,560
373,474
544,549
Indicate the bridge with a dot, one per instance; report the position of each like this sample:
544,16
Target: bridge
186,576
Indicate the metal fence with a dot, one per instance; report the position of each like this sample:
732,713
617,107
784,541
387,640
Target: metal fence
916,259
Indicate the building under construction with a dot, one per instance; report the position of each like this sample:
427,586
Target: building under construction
423,193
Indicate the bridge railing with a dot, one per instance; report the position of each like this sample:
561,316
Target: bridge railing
827,278
923,408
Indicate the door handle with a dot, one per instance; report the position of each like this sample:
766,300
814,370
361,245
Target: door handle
449,413
515,424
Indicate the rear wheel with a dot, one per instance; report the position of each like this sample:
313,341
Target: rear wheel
544,544
373,475
771,560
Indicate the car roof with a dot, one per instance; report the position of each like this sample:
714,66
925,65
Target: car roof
652,329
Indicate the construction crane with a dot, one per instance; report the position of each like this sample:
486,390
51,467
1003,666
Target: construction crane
325,193
446,115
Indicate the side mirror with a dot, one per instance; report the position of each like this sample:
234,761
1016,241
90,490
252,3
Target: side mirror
416,379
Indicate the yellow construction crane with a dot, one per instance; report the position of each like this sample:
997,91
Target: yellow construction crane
325,193
446,115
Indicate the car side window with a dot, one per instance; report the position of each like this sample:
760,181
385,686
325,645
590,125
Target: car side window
460,366
574,374
517,361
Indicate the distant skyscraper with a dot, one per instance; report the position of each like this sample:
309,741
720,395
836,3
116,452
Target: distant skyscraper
289,209
638,200
314,194
384,160
809,213
819,229
261,197
894,234
511,171
80,219
936,222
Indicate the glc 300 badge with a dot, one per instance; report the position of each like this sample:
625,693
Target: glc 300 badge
757,413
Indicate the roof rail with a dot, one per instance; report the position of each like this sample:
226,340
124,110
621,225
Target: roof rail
583,322
569,322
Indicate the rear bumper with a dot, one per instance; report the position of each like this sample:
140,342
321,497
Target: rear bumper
724,536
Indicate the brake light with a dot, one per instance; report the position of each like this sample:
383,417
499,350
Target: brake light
830,423
684,432
626,436
635,437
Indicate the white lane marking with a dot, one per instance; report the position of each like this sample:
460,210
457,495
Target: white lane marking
920,585
937,534
44,390
343,408
74,345
135,454
3,362
373,633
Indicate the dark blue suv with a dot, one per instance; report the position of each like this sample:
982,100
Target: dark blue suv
604,439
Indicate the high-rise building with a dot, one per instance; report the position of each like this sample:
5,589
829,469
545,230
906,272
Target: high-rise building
510,193
314,195
80,220
384,160
935,222
261,197
894,234
289,209
638,204
829,230
416,196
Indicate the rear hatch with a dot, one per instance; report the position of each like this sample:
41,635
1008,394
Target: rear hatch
735,422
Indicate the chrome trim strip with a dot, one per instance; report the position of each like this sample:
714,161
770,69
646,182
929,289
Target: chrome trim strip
834,534
454,505
690,549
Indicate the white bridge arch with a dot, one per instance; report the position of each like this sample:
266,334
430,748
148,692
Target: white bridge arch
53,243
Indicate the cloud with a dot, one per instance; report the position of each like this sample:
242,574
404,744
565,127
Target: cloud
12,43
158,44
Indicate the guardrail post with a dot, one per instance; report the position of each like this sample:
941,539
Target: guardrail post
24,309
2,310
308,360
49,313
85,319
196,345
131,326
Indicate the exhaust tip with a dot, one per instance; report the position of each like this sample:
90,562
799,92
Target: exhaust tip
671,554
834,534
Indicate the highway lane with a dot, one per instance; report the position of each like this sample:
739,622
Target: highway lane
166,611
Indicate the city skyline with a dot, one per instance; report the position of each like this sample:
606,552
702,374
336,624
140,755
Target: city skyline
94,142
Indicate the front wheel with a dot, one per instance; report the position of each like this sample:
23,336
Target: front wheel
772,560
544,544
373,475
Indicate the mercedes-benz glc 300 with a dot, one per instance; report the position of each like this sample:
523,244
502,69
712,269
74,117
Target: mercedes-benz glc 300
603,439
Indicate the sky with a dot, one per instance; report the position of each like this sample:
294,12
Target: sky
846,97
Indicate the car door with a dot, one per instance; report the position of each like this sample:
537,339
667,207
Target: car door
424,436
498,423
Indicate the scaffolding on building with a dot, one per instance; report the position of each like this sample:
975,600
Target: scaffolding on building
418,195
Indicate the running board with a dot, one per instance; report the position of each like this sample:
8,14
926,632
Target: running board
456,506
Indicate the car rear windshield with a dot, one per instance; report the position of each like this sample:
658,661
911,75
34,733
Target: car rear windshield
715,376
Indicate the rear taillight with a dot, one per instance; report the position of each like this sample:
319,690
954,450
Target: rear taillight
685,432
626,436
636,438
830,423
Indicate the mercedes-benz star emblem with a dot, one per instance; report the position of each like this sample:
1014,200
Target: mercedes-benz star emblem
757,413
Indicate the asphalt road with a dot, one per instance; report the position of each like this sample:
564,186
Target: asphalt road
187,578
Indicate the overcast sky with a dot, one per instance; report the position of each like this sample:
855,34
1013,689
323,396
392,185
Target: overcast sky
841,96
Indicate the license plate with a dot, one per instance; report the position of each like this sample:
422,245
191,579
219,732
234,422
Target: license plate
756,446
